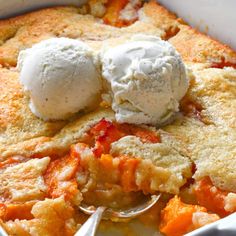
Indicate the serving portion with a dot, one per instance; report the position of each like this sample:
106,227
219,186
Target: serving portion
108,103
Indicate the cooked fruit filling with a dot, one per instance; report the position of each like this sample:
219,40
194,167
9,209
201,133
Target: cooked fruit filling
104,133
213,198
103,171
121,13
191,108
116,166
178,218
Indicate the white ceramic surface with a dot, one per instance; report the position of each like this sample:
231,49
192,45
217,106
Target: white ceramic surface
15,7
217,18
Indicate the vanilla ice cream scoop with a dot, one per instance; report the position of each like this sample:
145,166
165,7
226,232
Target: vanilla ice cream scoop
147,78
61,76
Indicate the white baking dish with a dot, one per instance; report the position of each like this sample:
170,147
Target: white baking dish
10,8
215,17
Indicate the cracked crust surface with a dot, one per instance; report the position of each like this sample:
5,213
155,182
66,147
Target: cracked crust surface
23,31
17,122
211,145
59,143
24,182
50,217
164,155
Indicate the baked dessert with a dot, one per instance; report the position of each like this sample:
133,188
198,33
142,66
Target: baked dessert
49,167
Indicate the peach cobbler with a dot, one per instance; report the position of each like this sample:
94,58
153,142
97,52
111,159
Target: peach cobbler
107,103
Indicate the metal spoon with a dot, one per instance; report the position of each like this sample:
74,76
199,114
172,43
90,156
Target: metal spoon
2,230
91,225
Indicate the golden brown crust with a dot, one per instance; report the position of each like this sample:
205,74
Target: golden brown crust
23,31
197,47
169,156
212,149
16,120
157,15
59,143
213,89
24,182
163,155
212,146
17,123
51,217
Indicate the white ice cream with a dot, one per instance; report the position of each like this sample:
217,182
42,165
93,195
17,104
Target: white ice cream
61,76
147,79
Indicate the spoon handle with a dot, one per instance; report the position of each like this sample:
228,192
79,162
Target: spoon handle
89,228
2,231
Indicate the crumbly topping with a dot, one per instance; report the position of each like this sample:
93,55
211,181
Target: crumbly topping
97,8
230,202
160,155
130,13
24,181
200,219
51,217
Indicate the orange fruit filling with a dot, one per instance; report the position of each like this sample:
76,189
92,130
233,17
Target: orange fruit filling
177,217
211,197
61,179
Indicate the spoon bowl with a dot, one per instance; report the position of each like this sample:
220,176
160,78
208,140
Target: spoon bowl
90,226
110,213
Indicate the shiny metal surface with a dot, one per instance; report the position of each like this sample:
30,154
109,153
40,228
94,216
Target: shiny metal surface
2,231
91,225
89,228
130,213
